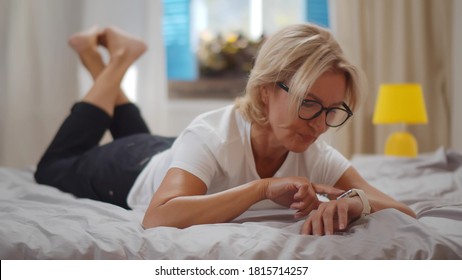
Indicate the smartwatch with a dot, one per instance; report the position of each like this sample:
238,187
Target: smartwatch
362,196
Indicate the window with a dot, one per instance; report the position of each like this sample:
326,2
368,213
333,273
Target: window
218,38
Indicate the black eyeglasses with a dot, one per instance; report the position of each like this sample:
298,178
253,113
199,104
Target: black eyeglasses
311,109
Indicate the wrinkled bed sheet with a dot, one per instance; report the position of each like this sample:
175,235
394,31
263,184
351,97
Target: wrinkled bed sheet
41,222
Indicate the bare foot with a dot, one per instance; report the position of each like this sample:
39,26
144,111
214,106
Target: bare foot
86,45
120,43
85,40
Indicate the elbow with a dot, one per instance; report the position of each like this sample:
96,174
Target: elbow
411,213
149,223
406,210
154,219
151,220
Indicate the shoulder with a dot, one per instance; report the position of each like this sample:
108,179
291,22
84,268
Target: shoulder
224,123
215,118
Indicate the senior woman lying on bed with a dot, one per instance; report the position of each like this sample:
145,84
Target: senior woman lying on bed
264,147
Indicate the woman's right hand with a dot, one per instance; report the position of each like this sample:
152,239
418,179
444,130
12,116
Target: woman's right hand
297,193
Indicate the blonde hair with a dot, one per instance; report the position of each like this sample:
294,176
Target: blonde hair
296,55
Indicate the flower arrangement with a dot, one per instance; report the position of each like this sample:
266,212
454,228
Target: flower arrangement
229,56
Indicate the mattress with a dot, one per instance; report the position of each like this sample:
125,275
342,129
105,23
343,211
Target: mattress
41,222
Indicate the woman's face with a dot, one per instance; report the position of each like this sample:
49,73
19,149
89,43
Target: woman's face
297,135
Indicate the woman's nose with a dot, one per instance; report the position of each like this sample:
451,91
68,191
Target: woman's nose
319,123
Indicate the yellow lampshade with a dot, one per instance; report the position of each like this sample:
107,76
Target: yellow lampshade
400,103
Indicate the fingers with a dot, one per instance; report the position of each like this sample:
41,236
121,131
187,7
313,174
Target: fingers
320,222
326,219
323,189
342,213
304,211
305,200
300,194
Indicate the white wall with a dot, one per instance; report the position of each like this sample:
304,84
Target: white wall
180,112
456,131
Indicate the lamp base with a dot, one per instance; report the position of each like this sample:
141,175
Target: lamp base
401,144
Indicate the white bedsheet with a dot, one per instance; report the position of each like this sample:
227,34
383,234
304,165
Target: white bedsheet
41,222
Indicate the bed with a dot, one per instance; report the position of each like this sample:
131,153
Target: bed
41,222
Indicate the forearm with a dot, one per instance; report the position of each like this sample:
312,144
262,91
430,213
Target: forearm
381,201
377,199
185,211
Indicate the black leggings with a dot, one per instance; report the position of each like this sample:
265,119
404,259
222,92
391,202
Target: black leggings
75,163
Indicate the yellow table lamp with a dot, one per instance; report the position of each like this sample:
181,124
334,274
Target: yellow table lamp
400,103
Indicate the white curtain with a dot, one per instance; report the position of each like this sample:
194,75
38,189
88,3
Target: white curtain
40,76
397,41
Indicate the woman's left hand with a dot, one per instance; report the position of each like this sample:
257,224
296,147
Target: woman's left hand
332,216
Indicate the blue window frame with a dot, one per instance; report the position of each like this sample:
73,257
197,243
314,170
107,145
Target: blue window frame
317,11
177,40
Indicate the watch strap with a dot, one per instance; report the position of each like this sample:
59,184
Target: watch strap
366,206
362,195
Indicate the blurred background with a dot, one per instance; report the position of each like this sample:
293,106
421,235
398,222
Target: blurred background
200,53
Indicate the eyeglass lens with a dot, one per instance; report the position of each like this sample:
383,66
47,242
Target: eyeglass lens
312,109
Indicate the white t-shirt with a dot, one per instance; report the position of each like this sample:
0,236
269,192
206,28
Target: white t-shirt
216,148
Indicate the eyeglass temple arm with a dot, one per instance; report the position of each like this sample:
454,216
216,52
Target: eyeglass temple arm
283,86
347,108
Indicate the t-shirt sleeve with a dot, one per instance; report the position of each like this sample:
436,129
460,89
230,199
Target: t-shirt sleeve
194,153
